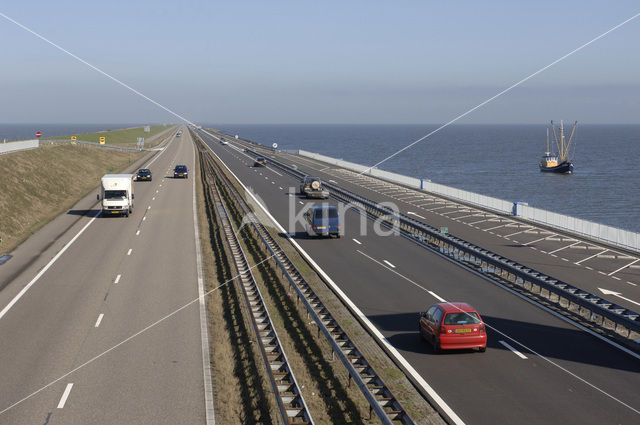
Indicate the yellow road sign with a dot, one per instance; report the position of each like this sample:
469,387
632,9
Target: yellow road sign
102,140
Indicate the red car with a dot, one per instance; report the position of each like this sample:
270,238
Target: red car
451,326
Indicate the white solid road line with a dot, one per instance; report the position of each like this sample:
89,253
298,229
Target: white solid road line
443,407
564,247
624,267
144,218
417,215
65,395
45,268
99,320
129,252
117,278
588,258
210,417
357,241
516,352
389,264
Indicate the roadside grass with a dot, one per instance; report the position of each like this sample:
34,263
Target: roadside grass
239,376
39,184
125,137
415,404
323,379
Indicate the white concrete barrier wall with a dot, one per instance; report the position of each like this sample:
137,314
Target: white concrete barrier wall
18,146
602,232
609,234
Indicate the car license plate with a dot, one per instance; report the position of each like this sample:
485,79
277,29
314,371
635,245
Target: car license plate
462,330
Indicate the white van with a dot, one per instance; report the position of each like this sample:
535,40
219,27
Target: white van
116,192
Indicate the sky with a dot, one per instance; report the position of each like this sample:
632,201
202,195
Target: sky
378,62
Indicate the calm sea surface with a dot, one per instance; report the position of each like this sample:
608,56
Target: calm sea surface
495,160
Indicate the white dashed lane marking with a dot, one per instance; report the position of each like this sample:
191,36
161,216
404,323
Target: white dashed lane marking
129,252
99,320
389,264
65,395
516,352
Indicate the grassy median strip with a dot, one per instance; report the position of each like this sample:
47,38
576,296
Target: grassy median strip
39,184
127,137
240,381
323,380
414,403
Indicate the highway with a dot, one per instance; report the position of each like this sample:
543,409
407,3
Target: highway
118,277
538,368
585,264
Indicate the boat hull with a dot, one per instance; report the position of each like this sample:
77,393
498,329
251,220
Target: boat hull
562,168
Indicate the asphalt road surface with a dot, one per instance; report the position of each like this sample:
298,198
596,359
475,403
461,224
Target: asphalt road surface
118,277
538,369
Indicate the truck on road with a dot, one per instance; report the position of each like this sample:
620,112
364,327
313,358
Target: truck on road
116,192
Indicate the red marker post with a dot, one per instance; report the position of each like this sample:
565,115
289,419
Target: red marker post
38,134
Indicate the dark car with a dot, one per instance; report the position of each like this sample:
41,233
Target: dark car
143,174
312,187
180,172
451,326
323,220
260,161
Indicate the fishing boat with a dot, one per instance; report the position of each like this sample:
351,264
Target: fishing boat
558,162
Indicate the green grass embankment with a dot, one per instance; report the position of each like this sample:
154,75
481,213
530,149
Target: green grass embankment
126,137
39,184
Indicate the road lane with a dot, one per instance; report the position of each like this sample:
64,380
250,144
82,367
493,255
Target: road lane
463,378
154,378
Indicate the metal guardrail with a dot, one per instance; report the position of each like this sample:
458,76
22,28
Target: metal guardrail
380,398
467,253
293,408
84,142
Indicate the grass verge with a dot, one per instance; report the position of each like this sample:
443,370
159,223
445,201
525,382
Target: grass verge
240,381
415,404
126,137
39,184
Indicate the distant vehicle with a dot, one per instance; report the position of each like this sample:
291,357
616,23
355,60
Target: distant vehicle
116,192
179,133
144,174
323,220
223,142
180,171
450,326
260,161
312,187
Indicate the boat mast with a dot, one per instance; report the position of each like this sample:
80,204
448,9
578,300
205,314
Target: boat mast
555,136
561,140
547,140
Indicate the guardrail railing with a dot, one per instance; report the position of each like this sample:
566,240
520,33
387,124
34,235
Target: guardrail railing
381,399
591,307
293,408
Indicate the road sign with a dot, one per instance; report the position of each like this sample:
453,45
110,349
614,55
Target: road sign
275,145
102,140
147,129
38,134
74,138
444,230
236,136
